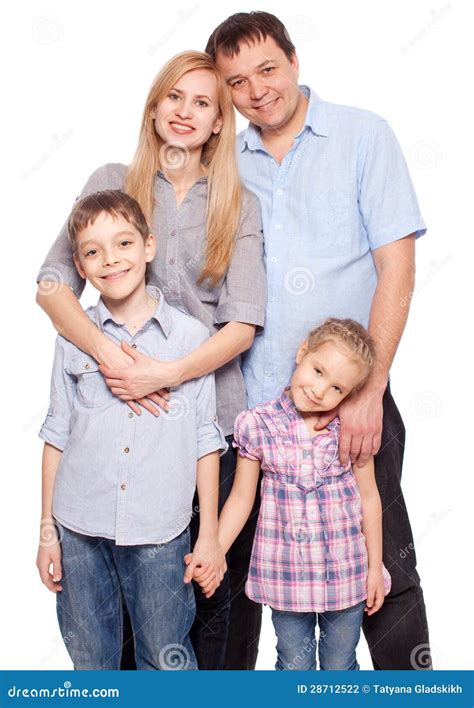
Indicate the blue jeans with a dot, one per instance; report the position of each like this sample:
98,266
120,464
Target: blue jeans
338,639
99,575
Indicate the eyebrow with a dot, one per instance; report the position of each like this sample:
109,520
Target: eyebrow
199,95
119,233
260,66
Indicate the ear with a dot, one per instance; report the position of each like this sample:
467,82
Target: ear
79,267
218,126
150,248
301,353
295,63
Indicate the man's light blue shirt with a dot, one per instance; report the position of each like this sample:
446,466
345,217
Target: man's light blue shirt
342,191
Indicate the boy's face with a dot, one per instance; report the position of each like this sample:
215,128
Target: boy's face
323,378
263,83
112,255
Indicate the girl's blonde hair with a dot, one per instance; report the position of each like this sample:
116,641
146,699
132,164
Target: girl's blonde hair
350,333
224,198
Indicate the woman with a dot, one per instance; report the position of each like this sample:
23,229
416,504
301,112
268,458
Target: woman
209,262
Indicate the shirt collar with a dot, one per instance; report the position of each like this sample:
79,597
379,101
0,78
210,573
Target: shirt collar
292,411
315,119
162,313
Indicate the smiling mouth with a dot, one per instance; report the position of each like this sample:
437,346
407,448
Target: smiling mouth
115,276
267,106
310,400
180,128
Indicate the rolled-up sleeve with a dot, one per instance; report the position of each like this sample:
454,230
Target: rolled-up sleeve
209,433
247,436
387,199
58,266
56,428
244,293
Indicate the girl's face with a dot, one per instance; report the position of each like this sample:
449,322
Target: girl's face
189,114
323,378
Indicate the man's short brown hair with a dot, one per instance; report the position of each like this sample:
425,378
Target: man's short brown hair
248,27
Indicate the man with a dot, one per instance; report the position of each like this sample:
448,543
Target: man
340,221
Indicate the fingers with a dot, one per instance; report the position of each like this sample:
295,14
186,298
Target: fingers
164,393
134,407
356,442
159,400
148,405
365,450
376,442
344,447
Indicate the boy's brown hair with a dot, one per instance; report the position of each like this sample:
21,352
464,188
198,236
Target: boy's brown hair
248,27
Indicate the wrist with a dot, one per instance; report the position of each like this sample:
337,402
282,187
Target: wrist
99,345
178,372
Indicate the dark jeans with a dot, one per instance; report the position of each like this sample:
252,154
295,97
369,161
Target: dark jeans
397,635
227,626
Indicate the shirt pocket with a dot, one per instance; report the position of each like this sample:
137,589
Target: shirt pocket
92,391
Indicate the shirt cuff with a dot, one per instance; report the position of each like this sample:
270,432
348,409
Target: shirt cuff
396,233
52,437
246,312
210,439
243,452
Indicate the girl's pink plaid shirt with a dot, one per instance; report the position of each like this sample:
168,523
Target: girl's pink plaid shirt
309,553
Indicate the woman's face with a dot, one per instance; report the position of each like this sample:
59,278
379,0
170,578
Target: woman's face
189,114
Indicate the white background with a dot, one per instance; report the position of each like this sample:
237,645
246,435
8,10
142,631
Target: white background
75,78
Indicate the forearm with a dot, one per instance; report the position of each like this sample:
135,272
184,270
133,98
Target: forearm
208,489
50,463
372,528
390,306
230,341
69,319
235,513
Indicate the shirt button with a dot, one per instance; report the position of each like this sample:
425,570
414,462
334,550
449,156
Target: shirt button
126,449
273,259
271,299
130,415
278,227
172,261
87,366
173,233
123,487
279,191
134,346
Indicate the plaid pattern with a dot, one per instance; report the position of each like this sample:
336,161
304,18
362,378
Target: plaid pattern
309,552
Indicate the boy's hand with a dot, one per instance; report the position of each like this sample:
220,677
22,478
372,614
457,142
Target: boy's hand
50,554
375,591
206,564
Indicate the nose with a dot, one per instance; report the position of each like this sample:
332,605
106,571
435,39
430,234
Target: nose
184,110
319,391
111,258
257,89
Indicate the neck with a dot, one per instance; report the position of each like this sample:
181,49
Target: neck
133,310
184,177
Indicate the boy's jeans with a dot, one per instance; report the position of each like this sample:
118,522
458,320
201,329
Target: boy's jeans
338,639
97,574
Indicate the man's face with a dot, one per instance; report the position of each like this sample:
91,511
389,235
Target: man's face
263,83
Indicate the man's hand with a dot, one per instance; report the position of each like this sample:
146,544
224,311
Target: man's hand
48,555
361,425
131,378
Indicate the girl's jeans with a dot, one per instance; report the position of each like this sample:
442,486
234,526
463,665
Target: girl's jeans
339,634
98,576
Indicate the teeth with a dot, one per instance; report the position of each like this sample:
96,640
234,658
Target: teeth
181,128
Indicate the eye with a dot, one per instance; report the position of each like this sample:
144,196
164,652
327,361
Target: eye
336,388
92,252
318,371
268,69
201,103
125,242
174,96
238,83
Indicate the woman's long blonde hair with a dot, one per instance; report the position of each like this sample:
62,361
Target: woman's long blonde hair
224,197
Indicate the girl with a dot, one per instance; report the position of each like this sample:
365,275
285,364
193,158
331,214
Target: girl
317,554
209,263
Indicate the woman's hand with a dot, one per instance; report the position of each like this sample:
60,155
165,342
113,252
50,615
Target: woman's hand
145,379
375,591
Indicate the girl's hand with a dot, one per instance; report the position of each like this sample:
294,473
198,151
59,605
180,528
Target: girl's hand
48,555
206,552
375,591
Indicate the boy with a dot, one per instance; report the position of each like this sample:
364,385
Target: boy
118,487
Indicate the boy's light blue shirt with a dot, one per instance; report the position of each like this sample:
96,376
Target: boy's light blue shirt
122,476
342,191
